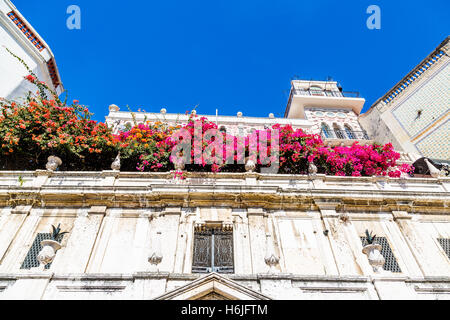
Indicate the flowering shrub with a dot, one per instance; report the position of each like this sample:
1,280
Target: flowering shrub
147,146
296,150
42,126
32,131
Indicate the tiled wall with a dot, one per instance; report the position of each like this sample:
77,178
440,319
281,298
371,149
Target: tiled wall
437,144
433,98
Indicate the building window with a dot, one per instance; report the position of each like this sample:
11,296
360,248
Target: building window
338,132
326,131
349,132
213,251
31,258
391,263
316,91
445,244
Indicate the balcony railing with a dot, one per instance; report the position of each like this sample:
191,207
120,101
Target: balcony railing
344,134
325,93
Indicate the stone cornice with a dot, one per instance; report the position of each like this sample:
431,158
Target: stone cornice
190,277
279,192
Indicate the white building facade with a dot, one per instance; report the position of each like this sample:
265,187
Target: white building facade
148,236
137,235
18,36
240,236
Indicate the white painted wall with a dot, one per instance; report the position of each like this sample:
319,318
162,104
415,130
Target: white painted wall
12,83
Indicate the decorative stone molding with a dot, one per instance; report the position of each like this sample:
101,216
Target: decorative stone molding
227,225
21,210
53,163
215,283
151,190
171,210
256,212
401,215
376,259
271,259
199,225
97,210
328,204
156,256
344,217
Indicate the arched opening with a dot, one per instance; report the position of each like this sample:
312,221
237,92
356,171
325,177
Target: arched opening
349,132
326,130
316,91
338,132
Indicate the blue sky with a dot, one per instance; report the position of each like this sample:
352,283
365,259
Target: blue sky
231,55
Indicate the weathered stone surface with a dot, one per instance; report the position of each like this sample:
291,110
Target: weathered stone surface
112,220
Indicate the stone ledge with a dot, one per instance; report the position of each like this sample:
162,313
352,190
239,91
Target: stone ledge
94,277
429,279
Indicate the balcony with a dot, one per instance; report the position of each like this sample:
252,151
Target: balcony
326,93
344,137
300,98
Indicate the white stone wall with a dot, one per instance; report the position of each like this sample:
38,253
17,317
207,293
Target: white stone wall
112,219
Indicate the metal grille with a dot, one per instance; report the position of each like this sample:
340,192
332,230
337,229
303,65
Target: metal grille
445,244
202,252
391,263
349,133
339,134
31,258
213,251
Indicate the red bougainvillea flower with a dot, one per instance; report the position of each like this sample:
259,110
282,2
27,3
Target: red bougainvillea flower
31,78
